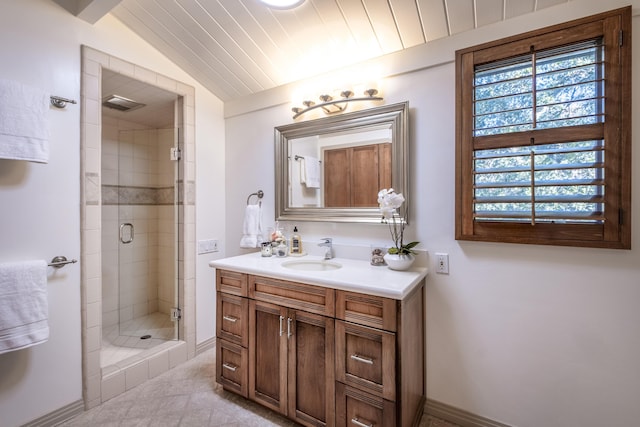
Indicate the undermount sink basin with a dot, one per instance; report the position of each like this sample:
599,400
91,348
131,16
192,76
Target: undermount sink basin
311,265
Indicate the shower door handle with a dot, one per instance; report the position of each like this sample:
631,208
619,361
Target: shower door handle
129,226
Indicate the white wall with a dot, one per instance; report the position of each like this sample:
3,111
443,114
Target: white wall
40,203
522,334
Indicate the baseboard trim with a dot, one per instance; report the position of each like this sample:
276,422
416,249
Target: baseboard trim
206,345
58,416
459,416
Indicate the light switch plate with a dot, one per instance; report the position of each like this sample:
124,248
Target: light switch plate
207,246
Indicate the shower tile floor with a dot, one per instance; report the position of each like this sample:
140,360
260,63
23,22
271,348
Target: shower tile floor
119,343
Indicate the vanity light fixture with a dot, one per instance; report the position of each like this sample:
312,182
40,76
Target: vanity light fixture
332,106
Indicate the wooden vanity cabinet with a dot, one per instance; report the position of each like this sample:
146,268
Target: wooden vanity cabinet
320,356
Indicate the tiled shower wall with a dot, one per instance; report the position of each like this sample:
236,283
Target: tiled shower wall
138,188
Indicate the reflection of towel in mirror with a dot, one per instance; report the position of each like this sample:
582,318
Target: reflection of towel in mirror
24,309
310,172
252,227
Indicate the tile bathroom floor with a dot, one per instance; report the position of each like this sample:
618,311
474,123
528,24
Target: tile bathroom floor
188,396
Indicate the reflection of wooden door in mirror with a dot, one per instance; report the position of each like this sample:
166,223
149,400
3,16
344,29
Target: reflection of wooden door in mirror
337,185
353,176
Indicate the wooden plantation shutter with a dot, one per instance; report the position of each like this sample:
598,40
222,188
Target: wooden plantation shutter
542,128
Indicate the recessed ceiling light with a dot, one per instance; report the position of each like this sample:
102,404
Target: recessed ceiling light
282,4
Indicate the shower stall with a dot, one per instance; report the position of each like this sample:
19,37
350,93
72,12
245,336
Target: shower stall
137,224
140,166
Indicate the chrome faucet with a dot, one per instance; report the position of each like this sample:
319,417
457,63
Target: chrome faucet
327,242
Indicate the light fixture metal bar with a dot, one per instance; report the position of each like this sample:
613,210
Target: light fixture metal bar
300,111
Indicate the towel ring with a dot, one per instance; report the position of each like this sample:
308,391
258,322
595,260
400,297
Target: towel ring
258,194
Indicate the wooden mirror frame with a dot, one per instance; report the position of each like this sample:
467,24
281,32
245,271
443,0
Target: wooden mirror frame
395,115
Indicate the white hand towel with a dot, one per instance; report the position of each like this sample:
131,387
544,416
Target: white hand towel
303,171
24,309
252,227
310,172
24,128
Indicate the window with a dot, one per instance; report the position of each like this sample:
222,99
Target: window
543,136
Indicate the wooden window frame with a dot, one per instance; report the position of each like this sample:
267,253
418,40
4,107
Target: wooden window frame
615,232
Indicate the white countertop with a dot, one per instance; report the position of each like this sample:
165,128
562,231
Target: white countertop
354,275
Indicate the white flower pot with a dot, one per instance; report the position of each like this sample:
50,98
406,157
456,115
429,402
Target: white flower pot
399,262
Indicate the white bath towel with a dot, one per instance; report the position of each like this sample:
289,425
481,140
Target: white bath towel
24,126
252,227
24,309
310,172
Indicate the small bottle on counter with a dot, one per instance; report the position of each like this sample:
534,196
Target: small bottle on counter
281,250
295,247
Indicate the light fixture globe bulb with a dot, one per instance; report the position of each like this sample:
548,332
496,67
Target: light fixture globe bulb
282,4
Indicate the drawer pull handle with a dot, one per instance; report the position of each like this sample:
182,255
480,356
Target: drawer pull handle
230,319
362,359
359,423
281,330
229,367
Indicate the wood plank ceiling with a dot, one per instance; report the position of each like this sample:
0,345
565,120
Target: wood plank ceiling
236,48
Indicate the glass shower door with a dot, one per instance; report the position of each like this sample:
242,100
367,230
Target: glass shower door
147,237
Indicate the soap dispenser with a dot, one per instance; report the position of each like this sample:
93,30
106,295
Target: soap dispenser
295,248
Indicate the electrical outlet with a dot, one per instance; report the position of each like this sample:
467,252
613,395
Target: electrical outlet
207,246
442,263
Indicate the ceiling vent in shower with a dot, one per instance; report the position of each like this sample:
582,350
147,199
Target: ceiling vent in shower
121,103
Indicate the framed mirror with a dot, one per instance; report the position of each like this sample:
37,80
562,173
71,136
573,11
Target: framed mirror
331,169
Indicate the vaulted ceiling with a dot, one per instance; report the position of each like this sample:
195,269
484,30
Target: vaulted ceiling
236,48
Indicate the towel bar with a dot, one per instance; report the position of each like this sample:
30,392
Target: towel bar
298,157
60,261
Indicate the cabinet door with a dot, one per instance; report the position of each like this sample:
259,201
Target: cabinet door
364,176
232,314
366,359
355,408
268,355
231,367
311,396
337,182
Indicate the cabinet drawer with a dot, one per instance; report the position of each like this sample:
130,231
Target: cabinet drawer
314,299
232,323
355,408
231,282
366,358
232,367
368,310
